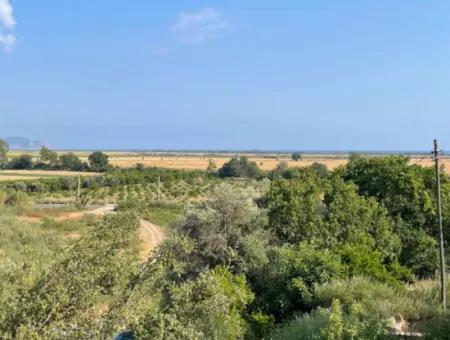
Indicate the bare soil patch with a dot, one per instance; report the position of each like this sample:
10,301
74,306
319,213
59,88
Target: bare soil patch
150,236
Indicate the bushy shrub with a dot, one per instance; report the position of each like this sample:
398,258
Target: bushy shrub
438,328
17,199
418,301
207,307
286,282
334,323
21,162
240,167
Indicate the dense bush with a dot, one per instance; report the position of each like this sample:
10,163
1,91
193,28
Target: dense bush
21,162
240,167
407,192
61,300
98,161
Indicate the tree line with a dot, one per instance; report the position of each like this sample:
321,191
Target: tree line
50,160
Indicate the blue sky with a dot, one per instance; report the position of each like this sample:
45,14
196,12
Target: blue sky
360,75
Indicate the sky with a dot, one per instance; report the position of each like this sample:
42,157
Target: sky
254,74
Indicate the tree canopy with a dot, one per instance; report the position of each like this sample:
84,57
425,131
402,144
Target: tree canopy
98,161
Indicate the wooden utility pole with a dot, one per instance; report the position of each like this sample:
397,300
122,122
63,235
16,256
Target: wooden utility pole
159,188
78,198
436,155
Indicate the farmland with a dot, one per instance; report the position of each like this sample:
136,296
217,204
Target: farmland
200,160
256,253
14,175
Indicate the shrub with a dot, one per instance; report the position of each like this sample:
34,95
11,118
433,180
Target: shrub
321,169
438,328
419,301
21,162
296,156
286,282
240,167
17,199
98,161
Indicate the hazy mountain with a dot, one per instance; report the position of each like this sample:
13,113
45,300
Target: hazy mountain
21,143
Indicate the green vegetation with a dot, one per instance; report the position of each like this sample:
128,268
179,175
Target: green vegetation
49,160
98,161
240,167
291,254
4,148
296,156
163,215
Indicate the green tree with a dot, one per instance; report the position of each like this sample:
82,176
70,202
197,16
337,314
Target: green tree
227,229
70,161
297,156
48,156
98,161
4,149
407,192
21,162
287,283
359,220
294,207
209,307
321,169
240,167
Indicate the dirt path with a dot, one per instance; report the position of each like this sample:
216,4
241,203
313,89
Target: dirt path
150,236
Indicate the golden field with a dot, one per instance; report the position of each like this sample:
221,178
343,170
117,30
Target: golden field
18,175
190,161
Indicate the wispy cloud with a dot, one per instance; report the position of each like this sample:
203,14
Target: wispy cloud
8,41
6,14
7,24
198,27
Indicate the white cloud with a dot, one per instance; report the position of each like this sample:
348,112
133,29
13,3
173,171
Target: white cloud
198,27
8,41
7,21
6,14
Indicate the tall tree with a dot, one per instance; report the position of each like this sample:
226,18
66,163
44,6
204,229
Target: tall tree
98,161
48,156
70,161
4,149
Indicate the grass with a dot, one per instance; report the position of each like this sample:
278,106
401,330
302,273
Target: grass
28,249
163,216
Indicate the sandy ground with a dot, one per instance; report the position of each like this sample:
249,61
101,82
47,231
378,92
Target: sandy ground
150,236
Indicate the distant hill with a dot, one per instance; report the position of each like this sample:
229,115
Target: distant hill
21,143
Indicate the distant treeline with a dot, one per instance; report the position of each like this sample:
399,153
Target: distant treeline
49,160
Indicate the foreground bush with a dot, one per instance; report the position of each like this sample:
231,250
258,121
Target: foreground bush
63,299
336,323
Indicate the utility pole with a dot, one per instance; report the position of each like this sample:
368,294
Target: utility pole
436,156
159,188
78,198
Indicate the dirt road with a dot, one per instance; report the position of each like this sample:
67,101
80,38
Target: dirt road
150,235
